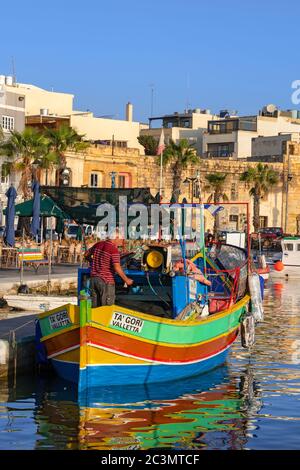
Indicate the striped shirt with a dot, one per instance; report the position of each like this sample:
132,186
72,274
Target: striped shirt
104,255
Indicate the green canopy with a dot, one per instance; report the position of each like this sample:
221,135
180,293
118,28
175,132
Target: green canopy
82,203
48,209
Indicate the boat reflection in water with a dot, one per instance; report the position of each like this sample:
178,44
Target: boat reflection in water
207,411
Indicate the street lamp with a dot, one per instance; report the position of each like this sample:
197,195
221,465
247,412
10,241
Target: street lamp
65,176
35,165
195,183
113,175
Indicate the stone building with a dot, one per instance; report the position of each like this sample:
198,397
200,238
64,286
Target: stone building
12,118
99,166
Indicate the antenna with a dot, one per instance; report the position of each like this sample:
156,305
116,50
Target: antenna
152,98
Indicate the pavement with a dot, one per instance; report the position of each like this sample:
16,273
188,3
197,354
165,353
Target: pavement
61,277
22,322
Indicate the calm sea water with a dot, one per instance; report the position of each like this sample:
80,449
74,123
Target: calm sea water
252,402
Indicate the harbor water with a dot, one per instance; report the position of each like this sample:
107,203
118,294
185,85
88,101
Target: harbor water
252,402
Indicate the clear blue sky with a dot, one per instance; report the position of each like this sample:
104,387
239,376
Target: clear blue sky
213,54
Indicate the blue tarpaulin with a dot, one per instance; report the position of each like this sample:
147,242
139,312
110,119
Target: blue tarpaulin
11,195
36,209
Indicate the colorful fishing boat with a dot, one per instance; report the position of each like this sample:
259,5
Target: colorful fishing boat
167,326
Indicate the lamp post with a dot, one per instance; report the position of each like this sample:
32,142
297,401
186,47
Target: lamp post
113,175
35,164
65,176
194,181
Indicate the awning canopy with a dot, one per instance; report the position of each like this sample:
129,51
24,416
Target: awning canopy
48,208
82,203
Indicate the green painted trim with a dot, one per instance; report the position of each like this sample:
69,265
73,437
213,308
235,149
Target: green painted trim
291,238
47,330
83,309
193,334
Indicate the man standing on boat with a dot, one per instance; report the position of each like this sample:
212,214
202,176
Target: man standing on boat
105,262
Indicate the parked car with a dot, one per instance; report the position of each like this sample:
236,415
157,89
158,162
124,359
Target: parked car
271,233
71,231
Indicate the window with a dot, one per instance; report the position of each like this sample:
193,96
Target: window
122,181
234,193
8,123
4,175
289,247
234,221
220,150
94,180
263,221
298,247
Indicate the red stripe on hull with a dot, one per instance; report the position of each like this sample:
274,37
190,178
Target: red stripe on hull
61,342
158,352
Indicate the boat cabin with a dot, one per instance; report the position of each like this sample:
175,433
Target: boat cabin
291,251
160,290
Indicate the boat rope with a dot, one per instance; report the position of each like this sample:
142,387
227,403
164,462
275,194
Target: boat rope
154,292
10,332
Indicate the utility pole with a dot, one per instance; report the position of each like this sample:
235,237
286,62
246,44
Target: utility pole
288,179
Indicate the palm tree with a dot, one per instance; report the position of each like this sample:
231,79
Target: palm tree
216,182
180,156
24,148
62,139
262,178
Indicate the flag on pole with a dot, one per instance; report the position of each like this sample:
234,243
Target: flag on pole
161,145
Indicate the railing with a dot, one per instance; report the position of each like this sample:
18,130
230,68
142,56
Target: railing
219,154
229,285
230,270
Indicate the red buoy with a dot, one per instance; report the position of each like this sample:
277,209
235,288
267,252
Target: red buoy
279,266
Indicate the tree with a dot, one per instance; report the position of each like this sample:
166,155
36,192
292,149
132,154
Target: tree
24,148
149,143
62,139
262,178
216,183
179,156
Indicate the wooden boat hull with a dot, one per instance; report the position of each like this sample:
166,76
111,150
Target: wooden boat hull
113,345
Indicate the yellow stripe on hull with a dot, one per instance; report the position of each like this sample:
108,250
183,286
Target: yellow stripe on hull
69,356
100,356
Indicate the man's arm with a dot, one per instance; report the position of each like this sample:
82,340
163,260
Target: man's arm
88,254
118,269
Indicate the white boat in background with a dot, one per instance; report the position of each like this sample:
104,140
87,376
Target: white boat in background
289,264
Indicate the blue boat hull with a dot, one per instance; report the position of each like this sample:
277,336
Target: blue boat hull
94,376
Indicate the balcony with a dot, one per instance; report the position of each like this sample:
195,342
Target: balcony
218,154
227,126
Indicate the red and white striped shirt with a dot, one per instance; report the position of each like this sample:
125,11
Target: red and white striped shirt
104,255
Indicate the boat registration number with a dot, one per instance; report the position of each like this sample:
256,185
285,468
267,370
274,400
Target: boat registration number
59,319
127,322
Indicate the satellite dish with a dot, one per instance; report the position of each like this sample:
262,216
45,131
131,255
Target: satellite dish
270,108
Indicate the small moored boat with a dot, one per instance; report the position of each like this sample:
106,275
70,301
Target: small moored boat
289,264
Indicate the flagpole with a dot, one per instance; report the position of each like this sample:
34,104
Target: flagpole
161,175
